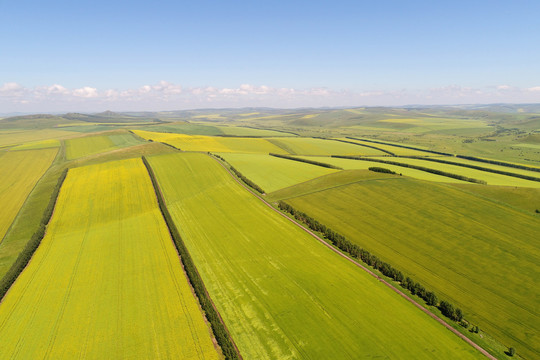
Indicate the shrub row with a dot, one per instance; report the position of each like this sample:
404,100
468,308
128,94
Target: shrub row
386,269
402,146
312,162
368,146
382,170
421,168
32,245
521,176
496,162
216,322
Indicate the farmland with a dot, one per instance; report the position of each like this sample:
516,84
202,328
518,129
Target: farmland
19,172
310,146
106,263
89,145
272,173
414,237
276,287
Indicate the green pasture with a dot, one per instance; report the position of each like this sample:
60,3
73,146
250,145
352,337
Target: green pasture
482,255
272,173
281,293
106,281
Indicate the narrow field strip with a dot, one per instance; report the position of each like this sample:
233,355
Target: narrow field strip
19,172
282,294
106,281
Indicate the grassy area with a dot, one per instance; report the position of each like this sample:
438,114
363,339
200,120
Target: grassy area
396,150
483,256
272,173
490,178
89,145
106,281
17,137
245,131
281,293
19,172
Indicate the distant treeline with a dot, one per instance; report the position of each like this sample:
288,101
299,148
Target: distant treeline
421,168
241,176
386,269
496,162
382,170
521,176
402,146
368,146
312,162
218,326
32,245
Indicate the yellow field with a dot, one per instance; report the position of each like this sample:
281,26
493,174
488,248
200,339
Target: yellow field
34,145
19,172
106,281
213,143
17,137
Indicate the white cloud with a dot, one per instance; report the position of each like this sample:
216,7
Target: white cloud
534,89
503,87
86,92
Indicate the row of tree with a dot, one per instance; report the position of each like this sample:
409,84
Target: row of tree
32,245
247,181
386,269
421,168
402,146
476,167
368,146
216,322
312,162
497,162
382,170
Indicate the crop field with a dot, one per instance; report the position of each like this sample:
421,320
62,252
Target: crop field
35,145
106,281
245,131
490,178
213,143
19,172
311,146
350,164
281,293
272,173
89,145
488,265
493,166
17,137
393,149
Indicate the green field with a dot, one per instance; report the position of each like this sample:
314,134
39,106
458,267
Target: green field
106,281
351,164
490,178
482,255
281,293
19,172
272,173
311,146
393,149
89,145
17,137
35,145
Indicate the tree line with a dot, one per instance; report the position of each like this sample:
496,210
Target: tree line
497,162
382,170
312,162
355,251
32,245
368,146
219,329
421,168
476,167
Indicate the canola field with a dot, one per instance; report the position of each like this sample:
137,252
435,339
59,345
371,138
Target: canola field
19,172
272,173
482,255
106,281
281,293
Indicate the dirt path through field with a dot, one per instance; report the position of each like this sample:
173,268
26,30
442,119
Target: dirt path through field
402,294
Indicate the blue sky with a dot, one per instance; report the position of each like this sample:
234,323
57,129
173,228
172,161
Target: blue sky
102,54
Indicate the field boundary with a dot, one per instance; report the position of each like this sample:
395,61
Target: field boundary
399,292
221,333
31,246
368,146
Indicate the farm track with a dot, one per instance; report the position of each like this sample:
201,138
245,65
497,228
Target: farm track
396,290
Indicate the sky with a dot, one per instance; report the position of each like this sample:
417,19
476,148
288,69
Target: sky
58,56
